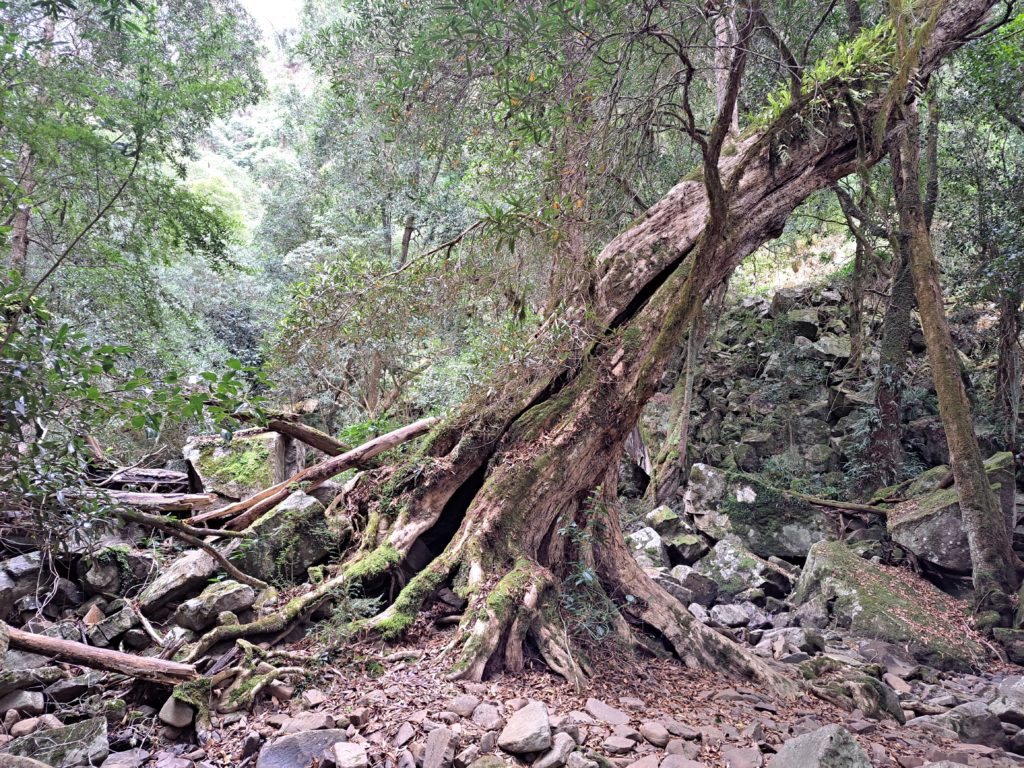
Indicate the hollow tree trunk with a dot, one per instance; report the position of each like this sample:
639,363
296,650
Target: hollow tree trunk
987,536
490,494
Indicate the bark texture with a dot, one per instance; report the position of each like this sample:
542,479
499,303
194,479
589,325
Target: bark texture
488,504
987,536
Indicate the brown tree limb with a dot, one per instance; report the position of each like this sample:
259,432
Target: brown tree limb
187,534
139,667
316,475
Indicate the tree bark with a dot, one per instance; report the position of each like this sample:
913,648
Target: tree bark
1008,370
139,667
487,502
989,541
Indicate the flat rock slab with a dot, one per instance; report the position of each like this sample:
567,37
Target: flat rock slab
83,743
299,748
606,713
828,747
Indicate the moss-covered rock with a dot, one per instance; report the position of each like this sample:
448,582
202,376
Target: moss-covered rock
201,611
888,604
237,469
735,569
929,523
291,537
767,521
682,543
83,743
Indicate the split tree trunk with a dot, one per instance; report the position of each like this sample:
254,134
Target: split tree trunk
491,494
987,536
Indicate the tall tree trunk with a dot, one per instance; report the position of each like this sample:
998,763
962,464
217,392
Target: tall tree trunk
26,176
885,448
987,536
1008,370
488,498
885,441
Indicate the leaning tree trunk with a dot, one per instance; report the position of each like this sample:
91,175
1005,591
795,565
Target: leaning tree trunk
486,503
989,540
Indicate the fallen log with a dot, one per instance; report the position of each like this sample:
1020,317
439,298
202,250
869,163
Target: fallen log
148,477
313,476
288,424
165,502
139,667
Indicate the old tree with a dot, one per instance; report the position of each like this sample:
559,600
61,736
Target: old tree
487,506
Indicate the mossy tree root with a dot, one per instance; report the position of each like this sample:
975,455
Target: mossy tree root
365,567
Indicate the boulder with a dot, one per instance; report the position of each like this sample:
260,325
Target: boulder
83,743
291,537
832,348
185,575
200,612
237,469
697,588
528,730
23,702
561,747
929,523
19,577
734,568
299,748
768,522
972,722
683,543
828,747
874,602
1008,704
648,548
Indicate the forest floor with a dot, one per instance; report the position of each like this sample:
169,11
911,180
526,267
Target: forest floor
724,721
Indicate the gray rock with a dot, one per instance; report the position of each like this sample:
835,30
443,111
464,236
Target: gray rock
131,758
972,722
440,749
683,543
349,755
734,568
696,588
648,548
721,503
618,745
291,537
23,702
1008,705
577,760
874,603
828,747
299,748
487,717
528,730
176,714
463,704
201,612
185,575
606,713
112,627
15,761
561,747
656,733
930,525
83,743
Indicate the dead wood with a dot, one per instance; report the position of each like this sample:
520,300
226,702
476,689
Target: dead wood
313,476
139,667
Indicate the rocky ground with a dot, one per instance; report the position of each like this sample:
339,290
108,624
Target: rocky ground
864,610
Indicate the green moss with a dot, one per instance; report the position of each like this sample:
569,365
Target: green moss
507,594
196,693
373,564
405,608
245,463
